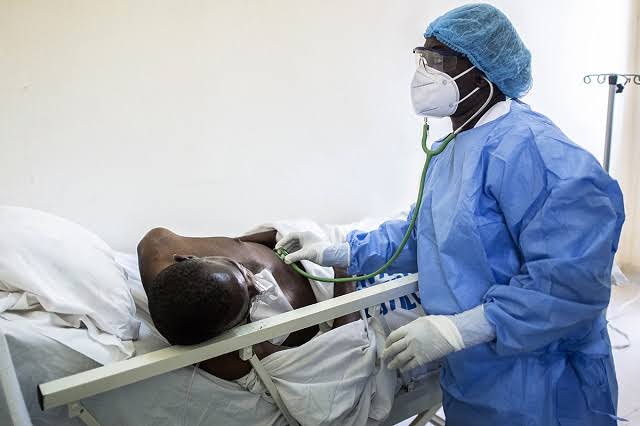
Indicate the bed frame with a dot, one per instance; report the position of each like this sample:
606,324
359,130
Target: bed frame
423,399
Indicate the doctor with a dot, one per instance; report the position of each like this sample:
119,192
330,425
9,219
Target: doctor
514,243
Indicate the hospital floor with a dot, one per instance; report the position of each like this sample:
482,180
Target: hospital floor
628,359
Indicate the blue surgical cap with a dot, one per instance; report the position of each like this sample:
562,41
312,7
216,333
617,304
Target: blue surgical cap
486,37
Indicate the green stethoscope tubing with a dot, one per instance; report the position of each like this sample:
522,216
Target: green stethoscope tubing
416,211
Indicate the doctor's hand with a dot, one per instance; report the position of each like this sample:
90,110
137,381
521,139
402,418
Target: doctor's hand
309,246
421,341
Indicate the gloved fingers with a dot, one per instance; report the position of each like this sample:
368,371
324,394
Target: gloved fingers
292,258
394,348
296,256
396,335
401,360
282,242
289,241
409,366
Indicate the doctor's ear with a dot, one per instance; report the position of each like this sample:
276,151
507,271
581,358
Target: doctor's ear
181,257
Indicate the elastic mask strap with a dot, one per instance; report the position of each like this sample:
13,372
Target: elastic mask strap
467,97
455,132
470,93
464,72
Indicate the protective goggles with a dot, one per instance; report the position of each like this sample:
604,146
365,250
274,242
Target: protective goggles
440,59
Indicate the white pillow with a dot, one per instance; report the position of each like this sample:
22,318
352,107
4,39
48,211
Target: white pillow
49,263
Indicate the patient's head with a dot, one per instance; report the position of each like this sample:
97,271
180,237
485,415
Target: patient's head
196,299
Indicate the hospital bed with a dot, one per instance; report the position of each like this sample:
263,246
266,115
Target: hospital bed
50,372
80,392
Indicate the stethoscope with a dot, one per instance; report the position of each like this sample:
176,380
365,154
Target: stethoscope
282,253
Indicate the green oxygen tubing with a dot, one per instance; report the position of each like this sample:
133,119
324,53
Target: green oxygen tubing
416,211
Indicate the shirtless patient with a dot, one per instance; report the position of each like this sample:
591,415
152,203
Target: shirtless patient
199,287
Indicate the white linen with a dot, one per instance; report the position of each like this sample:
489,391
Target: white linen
336,378
99,346
129,263
54,274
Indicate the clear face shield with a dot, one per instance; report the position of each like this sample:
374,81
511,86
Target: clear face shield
439,59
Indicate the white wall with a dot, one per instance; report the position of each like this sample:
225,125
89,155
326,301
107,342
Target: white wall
210,117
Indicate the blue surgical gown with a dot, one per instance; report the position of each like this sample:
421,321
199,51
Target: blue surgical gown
516,217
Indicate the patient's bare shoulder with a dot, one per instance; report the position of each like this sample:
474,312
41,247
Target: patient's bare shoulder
157,248
153,255
153,239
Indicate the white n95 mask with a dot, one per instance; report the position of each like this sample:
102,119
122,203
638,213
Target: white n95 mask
269,302
435,93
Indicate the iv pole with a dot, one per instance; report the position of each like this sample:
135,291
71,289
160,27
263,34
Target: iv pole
614,88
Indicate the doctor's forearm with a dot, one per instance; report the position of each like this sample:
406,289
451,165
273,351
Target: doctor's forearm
474,326
370,251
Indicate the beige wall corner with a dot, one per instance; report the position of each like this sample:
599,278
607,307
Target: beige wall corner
627,155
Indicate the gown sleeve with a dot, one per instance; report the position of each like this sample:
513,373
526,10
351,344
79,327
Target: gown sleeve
566,221
371,250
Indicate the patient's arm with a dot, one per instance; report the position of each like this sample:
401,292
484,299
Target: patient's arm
231,367
340,289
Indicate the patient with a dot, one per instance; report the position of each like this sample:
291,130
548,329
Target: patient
199,287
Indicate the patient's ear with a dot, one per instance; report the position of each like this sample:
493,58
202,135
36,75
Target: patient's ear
181,257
